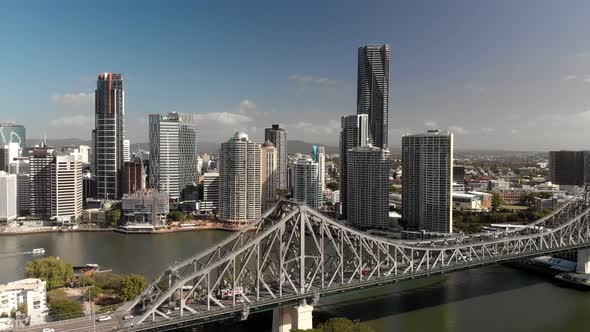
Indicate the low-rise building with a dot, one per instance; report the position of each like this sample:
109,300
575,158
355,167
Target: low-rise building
467,202
145,207
512,196
28,293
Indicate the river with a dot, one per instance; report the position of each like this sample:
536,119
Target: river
495,298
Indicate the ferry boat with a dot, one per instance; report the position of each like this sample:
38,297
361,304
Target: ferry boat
38,251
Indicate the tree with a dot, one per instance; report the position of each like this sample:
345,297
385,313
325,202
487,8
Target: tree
132,286
110,281
22,308
65,309
94,292
176,216
496,201
333,186
50,269
344,325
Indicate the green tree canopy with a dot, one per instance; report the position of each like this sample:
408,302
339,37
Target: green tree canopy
340,325
132,286
94,292
177,216
50,269
65,309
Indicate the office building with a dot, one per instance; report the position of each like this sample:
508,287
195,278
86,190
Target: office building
40,190
108,135
319,155
30,293
173,153
373,90
268,164
126,151
307,187
145,207
278,136
239,180
427,181
66,187
11,133
210,202
459,174
368,187
8,197
354,132
569,167
132,178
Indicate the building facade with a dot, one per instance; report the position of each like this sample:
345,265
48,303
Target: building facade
268,168
307,187
132,178
126,151
368,187
427,181
319,155
373,90
210,202
239,180
145,207
108,135
354,132
8,197
173,153
278,136
66,187
569,167
28,292
40,190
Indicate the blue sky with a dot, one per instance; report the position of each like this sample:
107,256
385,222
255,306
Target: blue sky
500,74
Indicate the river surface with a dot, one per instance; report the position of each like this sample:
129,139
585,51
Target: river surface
495,298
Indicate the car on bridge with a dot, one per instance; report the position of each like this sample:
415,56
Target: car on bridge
103,318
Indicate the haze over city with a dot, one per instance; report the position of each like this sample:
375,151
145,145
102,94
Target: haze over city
477,69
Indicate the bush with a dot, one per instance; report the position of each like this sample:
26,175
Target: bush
65,309
50,269
110,281
84,281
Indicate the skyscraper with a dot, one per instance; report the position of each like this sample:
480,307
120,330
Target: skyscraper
8,191
210,200
239,180
268,165
40,161
354,132
569,167
368,187
427,181
173,153
373,90
319,155
66,187
307,187
278,136
108,135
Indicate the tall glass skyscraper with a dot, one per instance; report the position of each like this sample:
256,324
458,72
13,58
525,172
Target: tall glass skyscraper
354,133
278,136
173,153
108,135
373,90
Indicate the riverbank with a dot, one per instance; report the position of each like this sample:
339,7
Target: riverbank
183,228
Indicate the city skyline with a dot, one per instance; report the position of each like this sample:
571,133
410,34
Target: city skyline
497,93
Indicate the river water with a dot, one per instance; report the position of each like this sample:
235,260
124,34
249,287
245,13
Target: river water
495,298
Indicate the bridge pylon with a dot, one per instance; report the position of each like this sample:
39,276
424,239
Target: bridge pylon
285,319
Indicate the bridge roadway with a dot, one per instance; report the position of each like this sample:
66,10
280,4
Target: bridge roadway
294,255
84,324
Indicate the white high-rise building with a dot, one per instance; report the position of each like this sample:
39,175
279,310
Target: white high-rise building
8,194
268,178
354,132
319,155
126,151
368,187
173,153
239,180
66,183
427,181
307,186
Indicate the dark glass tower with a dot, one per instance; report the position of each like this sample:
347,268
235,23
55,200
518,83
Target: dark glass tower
278,136
373,90
108,135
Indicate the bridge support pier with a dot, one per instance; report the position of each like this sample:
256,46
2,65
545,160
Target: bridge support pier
583,261
288,318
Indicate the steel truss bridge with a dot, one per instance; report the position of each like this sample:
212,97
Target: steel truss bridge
294,254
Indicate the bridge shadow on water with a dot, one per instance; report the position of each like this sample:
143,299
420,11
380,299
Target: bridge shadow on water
401,298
